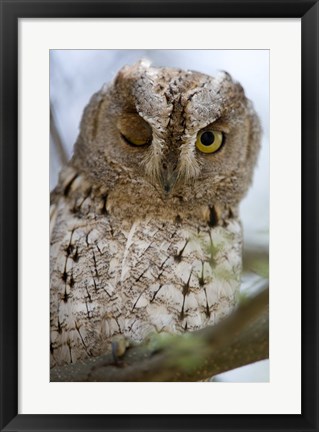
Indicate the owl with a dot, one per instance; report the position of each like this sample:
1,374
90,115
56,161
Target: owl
145,235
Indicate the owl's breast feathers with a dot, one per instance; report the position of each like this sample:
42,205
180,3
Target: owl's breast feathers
113,275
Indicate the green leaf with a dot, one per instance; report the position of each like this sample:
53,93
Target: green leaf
256,260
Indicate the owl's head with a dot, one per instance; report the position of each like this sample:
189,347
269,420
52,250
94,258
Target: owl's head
174,133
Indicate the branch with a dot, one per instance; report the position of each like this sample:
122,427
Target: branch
238,340
57,138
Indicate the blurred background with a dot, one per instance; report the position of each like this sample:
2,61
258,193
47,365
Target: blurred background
76,74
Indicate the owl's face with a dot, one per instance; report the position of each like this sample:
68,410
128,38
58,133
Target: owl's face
176,132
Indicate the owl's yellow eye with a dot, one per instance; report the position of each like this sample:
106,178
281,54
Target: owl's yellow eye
209,141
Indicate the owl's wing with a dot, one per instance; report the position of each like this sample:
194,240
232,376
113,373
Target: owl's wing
81,249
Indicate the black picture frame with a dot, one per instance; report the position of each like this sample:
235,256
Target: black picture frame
11,11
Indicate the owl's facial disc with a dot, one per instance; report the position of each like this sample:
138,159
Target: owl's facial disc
160,157
180,131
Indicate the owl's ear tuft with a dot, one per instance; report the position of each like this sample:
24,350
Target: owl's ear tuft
123,81
225,77
121,75
131,72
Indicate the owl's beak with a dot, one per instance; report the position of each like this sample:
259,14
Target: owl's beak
168,177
